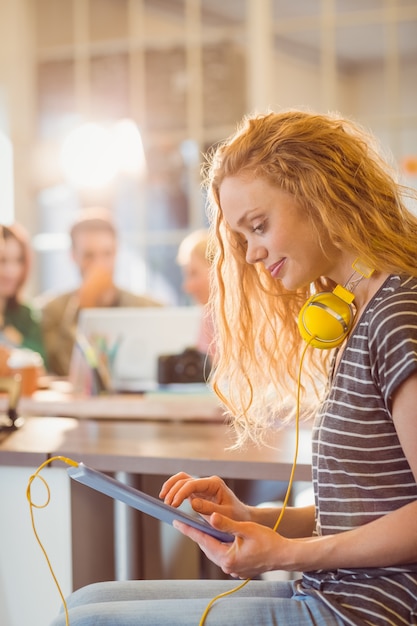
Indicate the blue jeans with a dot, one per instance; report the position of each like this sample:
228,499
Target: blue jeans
183,602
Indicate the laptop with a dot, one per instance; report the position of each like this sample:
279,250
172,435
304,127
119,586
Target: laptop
131,339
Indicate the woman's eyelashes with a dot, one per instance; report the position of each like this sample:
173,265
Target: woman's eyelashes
258,228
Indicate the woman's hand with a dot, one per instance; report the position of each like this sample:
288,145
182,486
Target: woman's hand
254,550
206,496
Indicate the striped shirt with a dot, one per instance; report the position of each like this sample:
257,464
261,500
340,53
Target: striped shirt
359,469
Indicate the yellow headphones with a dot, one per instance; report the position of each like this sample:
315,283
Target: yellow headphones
327,317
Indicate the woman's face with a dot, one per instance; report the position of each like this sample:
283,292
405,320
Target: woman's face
276,232
12,267
196,278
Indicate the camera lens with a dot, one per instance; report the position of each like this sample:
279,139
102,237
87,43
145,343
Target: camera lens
187,369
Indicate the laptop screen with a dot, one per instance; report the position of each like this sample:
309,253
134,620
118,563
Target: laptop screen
132,339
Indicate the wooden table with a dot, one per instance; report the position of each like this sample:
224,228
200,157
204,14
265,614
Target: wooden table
158,433
156,447
200,406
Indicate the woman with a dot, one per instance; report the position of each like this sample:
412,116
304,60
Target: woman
20,327
193,258
302,203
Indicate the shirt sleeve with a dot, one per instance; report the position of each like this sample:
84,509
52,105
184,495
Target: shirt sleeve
393,342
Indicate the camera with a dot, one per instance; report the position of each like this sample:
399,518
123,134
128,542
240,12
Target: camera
189,366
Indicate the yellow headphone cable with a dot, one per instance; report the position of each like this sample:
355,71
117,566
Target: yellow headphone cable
33,506
289,487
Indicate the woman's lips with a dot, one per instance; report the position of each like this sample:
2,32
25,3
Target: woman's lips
276,268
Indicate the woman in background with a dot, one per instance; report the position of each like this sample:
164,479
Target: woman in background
193,257
19,322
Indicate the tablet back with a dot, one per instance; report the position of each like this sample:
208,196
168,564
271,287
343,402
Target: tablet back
140,500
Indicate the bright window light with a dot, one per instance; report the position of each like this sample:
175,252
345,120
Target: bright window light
128,148
93,155
87,158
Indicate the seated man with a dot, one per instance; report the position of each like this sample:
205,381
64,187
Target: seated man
93,247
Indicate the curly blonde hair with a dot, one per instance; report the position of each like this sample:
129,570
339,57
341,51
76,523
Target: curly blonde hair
350,197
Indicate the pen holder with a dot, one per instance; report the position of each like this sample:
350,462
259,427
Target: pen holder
87,374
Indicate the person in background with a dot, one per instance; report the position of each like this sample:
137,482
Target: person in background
193,258
19,321
311,226
93,249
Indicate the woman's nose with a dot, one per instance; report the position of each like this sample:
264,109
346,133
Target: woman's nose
255,253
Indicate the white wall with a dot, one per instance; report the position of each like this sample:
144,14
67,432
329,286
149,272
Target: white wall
28,594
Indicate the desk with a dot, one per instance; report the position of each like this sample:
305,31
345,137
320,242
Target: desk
153,406
148,446
155,447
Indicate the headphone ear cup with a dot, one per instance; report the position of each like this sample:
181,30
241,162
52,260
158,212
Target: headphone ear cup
325,320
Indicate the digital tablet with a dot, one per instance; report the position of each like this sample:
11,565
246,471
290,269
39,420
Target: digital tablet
142,501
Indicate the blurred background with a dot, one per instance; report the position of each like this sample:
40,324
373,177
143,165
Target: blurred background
114,102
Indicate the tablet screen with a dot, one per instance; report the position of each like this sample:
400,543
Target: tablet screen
142,501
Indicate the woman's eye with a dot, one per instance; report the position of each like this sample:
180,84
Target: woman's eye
258,228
